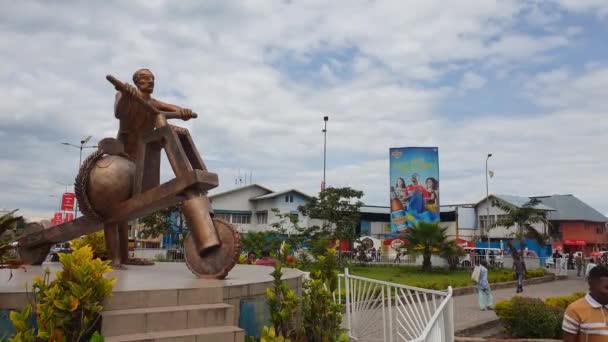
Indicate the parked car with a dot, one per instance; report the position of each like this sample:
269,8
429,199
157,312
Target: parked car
493,256
59,248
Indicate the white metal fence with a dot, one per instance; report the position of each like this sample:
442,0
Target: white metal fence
382,311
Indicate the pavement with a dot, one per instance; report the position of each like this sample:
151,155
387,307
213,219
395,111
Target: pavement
466,308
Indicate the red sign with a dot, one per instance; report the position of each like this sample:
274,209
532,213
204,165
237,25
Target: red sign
57,219
67,201
68,217
575,242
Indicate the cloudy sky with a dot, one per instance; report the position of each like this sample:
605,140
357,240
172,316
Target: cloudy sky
524,80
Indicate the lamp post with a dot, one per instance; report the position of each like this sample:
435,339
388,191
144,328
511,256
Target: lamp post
83,143
325,119
488,200
59,199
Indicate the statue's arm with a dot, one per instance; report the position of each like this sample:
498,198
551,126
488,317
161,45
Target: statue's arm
121,105
182,113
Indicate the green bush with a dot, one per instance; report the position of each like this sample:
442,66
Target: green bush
563,301
529,318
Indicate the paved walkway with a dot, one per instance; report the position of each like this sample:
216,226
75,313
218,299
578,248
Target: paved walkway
466,308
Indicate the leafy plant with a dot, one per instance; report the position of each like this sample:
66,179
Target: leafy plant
562,302
96,241
269,335
67,308
339,210
427,239
283,304
529,318
522,218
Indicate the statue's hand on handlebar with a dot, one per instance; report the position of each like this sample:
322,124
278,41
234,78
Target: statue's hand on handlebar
186,114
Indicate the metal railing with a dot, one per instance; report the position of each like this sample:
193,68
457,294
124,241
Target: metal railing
559,266
382,311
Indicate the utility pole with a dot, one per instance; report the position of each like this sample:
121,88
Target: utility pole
488,201
325,119
83,142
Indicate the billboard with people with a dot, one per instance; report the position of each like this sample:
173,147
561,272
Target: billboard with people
414,190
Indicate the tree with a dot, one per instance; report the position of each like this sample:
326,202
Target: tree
165,222
339,210
288,229
522,218
427,239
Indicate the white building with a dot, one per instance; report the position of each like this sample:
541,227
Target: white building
249,207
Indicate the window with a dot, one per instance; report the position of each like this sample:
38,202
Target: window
487,221
599,229
291,198
241,218
503,217
225,217
286,198
262,218
293,217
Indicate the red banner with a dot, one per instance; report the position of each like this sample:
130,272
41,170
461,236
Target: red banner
68,217
67,201
575,242
57,219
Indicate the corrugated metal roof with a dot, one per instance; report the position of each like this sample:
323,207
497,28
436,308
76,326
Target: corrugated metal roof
519,201
571,208
275,194
239,189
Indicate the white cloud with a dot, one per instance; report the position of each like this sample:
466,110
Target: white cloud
252,71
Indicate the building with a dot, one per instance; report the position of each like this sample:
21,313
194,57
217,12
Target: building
574,225
249,208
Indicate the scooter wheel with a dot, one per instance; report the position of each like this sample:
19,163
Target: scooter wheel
217,262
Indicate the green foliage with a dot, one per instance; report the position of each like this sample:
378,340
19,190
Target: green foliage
67,308
563,301
339,210
452,253
321,314
283,304
427,239
258,241
522,218
533,318
96,241
269,335
160,222
541,272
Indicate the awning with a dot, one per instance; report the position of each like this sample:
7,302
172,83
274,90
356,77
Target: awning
575,242
464,243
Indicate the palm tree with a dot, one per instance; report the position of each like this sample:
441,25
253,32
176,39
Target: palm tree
522,218
427,239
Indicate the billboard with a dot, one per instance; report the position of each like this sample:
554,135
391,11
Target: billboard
67,201
414,190
57,219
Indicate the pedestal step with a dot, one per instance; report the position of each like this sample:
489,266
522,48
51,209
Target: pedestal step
212,334
165,319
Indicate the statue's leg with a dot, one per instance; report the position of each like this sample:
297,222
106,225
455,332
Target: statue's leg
123,241
112,244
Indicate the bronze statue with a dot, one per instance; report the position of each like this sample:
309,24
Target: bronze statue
121,182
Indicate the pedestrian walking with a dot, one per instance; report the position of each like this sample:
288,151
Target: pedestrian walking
578,261
585,319
590,266
398,257
486,301
520,272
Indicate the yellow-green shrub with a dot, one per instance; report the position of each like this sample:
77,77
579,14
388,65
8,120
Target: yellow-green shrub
68,307
96,241
562,302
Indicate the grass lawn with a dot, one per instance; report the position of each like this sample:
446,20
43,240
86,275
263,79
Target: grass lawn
438,279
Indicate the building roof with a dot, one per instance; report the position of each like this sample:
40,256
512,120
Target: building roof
518,201
239,189
375,209
276,194
570,208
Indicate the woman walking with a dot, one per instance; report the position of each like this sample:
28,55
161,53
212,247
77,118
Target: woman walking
486,301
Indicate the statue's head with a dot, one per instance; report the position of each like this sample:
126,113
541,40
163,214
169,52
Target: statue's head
144,80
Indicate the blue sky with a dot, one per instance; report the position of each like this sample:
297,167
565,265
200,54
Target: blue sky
524,80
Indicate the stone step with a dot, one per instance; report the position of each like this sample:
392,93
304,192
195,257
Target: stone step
145,320
212,334
157,298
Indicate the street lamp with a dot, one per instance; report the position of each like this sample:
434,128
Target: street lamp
57,199
83,143
325,119
488,200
